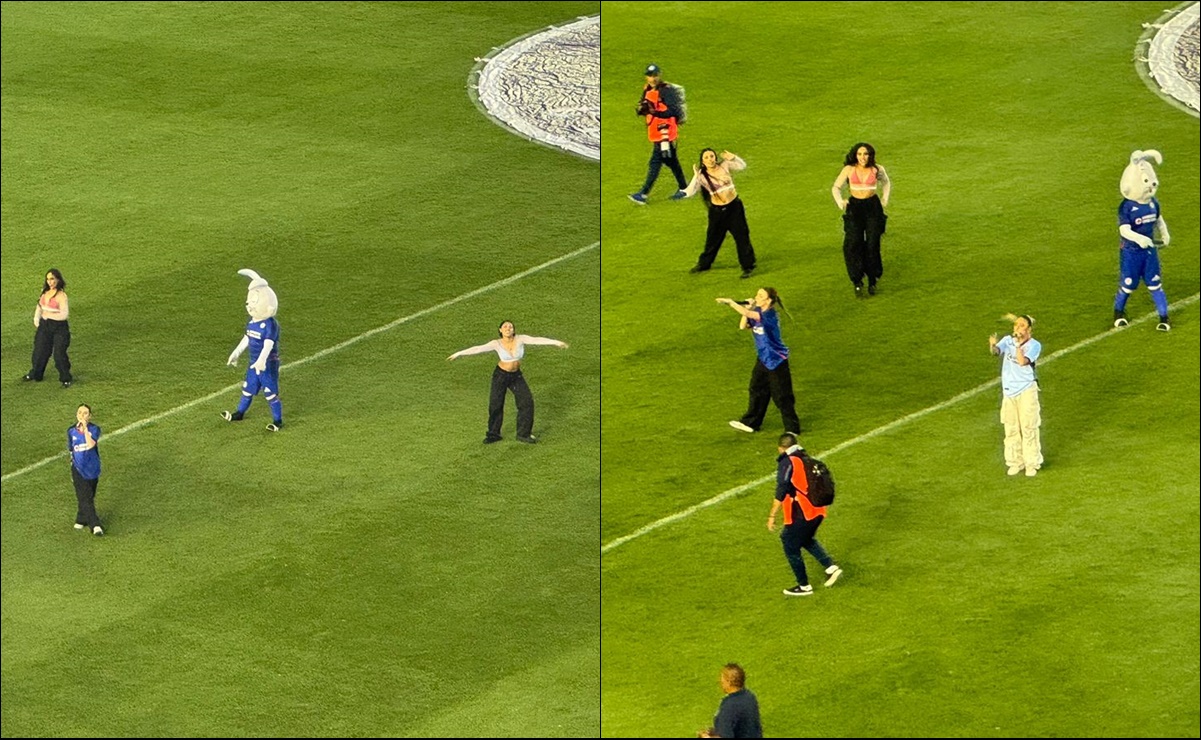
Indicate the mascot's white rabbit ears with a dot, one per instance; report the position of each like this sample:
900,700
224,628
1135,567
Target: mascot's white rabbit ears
261,301
1139,181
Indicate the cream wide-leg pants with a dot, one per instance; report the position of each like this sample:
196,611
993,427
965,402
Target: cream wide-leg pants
1022,417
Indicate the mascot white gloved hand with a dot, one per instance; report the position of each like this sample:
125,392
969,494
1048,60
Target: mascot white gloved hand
1142,230
262,333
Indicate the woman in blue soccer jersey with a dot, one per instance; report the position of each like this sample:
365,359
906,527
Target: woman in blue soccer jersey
510,349
771,378
82,437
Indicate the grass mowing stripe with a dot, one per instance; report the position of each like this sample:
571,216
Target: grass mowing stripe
728,494
322,353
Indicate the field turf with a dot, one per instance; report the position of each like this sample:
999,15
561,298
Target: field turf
372,569
972,604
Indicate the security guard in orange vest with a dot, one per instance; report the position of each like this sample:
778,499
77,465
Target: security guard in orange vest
660,106
801,518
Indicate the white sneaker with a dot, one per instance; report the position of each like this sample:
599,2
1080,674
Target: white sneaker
97,531
832,574
80,526
799,591
741,427
1014,470
1119,323
1031,472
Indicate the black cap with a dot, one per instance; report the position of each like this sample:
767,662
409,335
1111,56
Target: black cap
652,70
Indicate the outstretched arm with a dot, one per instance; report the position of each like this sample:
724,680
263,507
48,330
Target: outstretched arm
477,350
747,313
527,339
242,345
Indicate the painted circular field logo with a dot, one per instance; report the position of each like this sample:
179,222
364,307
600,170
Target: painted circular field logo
545,86
1169,64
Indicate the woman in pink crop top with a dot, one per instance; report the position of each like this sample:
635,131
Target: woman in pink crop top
727,215
53,334
863,217
510,349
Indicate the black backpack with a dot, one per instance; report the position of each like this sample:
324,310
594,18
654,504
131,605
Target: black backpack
821,482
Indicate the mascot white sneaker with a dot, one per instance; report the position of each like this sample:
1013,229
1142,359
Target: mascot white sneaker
1138,221
262,338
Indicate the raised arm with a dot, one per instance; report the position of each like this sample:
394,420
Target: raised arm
694,186
527,339
733,162
837,189
885,184
492,346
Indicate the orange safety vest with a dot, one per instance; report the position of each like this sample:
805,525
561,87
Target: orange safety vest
800,484
656,128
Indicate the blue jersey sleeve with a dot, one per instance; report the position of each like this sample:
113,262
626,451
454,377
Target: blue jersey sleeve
271,331
1033,349
1124,210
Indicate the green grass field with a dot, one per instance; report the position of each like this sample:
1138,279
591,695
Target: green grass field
973,604
373,569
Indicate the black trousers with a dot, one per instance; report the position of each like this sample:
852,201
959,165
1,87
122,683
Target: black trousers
658,159
502,381
730,218
85,495
52,338
800,535
771,385
863,225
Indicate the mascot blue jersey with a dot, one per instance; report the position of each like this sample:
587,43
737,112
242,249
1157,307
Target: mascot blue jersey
1140,217
257,332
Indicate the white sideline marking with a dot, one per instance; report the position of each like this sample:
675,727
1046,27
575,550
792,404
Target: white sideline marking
329,350
724,495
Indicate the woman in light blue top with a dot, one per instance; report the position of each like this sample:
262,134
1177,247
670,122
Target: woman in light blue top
510,349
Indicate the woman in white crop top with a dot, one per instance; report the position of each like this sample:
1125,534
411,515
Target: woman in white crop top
727,215
53,334
863,217
510,349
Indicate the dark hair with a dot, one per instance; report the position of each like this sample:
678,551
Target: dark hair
1029,321
734,674
506,321
788,439
83,406
776,300
61,284
853,158
705,194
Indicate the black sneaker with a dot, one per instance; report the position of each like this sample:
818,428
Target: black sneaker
799,591
871,288
858,290
235,416
747,273
528,440
1163,324
66,384
490,440
275,426
697,269
28,378
1119,319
